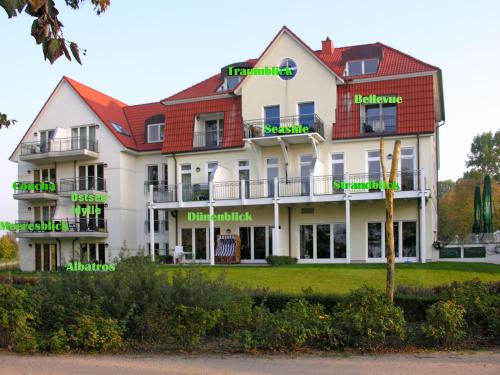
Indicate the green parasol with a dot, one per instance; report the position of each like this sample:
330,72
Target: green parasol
487,206
478,217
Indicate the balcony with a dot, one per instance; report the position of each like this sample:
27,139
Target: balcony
77,228
255,129
208,140
81,185
292,189
159,226
379,125
35,195
59,149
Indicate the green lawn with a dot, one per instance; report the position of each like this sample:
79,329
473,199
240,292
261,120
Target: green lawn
340,279
335,279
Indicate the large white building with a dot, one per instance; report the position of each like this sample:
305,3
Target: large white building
205,149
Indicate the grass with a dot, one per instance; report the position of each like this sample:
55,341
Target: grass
340,279
334,279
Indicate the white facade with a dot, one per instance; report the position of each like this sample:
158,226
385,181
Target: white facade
298,214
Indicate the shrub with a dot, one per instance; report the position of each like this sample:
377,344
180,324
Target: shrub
280,260
18,312
189,325
482,308
367,320
299,324
95,334
445,323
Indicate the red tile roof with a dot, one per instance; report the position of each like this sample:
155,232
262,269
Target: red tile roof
107,109
394,62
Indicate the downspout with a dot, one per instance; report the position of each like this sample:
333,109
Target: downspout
441,123
289,231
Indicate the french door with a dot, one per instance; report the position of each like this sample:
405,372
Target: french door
256,242
46,257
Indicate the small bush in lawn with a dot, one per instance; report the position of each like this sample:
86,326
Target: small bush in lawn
367,320
18,314
482,308
189,325
445,324
280,260
95,334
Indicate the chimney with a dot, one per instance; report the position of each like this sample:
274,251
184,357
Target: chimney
327,46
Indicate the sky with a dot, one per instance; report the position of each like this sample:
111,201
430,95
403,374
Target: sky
144,51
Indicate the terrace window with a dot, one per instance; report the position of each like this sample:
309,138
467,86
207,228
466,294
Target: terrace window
360,67
378,118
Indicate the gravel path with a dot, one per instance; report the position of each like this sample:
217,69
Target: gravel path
480,363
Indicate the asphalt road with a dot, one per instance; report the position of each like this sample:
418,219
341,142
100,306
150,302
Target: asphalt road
480,363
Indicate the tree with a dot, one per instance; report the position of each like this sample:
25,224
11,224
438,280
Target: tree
456,209
445,187
8,247
389,213
484,157
47,29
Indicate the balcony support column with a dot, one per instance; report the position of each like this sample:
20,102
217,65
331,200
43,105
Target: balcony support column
347,222
276,239
423,227
211,225
285,155
151,224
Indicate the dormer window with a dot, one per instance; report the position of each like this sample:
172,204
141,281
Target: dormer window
155,127
360,67
232,82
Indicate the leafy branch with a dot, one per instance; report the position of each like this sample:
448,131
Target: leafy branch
47,30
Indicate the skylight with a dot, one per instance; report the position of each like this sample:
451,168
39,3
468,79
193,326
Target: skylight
119,128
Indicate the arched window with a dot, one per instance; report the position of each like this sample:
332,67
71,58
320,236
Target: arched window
155,127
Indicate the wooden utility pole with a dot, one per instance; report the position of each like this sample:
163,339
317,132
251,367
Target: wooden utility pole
389,213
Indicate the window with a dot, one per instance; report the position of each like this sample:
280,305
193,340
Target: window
214,133
338,168
290,66
272,172
256,242
46,257
360,67
93,253
374,240
83,137
322,241
232,81
378,118
374,168
211,168
119,128
272,117
306,169
244,174
155,127
408,176
306,115
186,182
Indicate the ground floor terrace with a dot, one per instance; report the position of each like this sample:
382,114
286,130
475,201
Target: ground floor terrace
326,232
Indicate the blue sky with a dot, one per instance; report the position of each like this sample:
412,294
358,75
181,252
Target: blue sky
143,51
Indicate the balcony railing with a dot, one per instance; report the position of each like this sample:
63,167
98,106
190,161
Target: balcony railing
81,225
165,193
208,139
81,184
59,145
379,125
287,187
157,184
255,128
158,225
